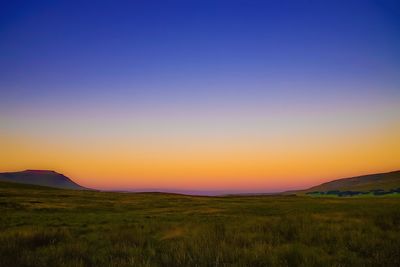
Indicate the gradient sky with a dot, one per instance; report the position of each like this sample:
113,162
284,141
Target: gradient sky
237,96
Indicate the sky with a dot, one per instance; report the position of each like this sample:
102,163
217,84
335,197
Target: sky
227,96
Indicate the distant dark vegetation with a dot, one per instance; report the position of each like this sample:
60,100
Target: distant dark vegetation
69,228
374,192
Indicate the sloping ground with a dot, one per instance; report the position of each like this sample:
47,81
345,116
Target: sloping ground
41,177
44,227
381,181
19,186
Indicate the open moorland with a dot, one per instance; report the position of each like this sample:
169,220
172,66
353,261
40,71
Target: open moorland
41,226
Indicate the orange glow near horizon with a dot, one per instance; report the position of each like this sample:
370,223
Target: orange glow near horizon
273,160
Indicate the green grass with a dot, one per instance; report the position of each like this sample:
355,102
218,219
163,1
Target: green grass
51,227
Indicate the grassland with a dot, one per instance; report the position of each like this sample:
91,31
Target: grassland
52,227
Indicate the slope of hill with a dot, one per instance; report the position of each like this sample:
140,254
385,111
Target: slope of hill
42,226
380,182
40,177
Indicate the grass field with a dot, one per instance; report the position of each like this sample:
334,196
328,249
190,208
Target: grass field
51,227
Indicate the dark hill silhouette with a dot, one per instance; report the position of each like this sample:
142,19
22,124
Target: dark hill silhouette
364,183
41,177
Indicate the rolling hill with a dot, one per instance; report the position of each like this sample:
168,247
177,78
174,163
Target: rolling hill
42,226
41,177
380,182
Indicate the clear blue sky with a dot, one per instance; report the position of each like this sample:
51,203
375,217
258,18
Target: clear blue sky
169,49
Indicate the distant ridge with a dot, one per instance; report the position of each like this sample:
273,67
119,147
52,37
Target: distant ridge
363,183
41,177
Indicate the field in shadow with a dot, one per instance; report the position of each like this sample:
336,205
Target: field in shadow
50,227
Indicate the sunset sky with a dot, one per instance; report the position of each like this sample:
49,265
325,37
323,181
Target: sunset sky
233,96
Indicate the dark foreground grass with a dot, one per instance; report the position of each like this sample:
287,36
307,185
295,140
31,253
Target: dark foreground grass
49,227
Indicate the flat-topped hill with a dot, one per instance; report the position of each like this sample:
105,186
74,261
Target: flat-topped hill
41,177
